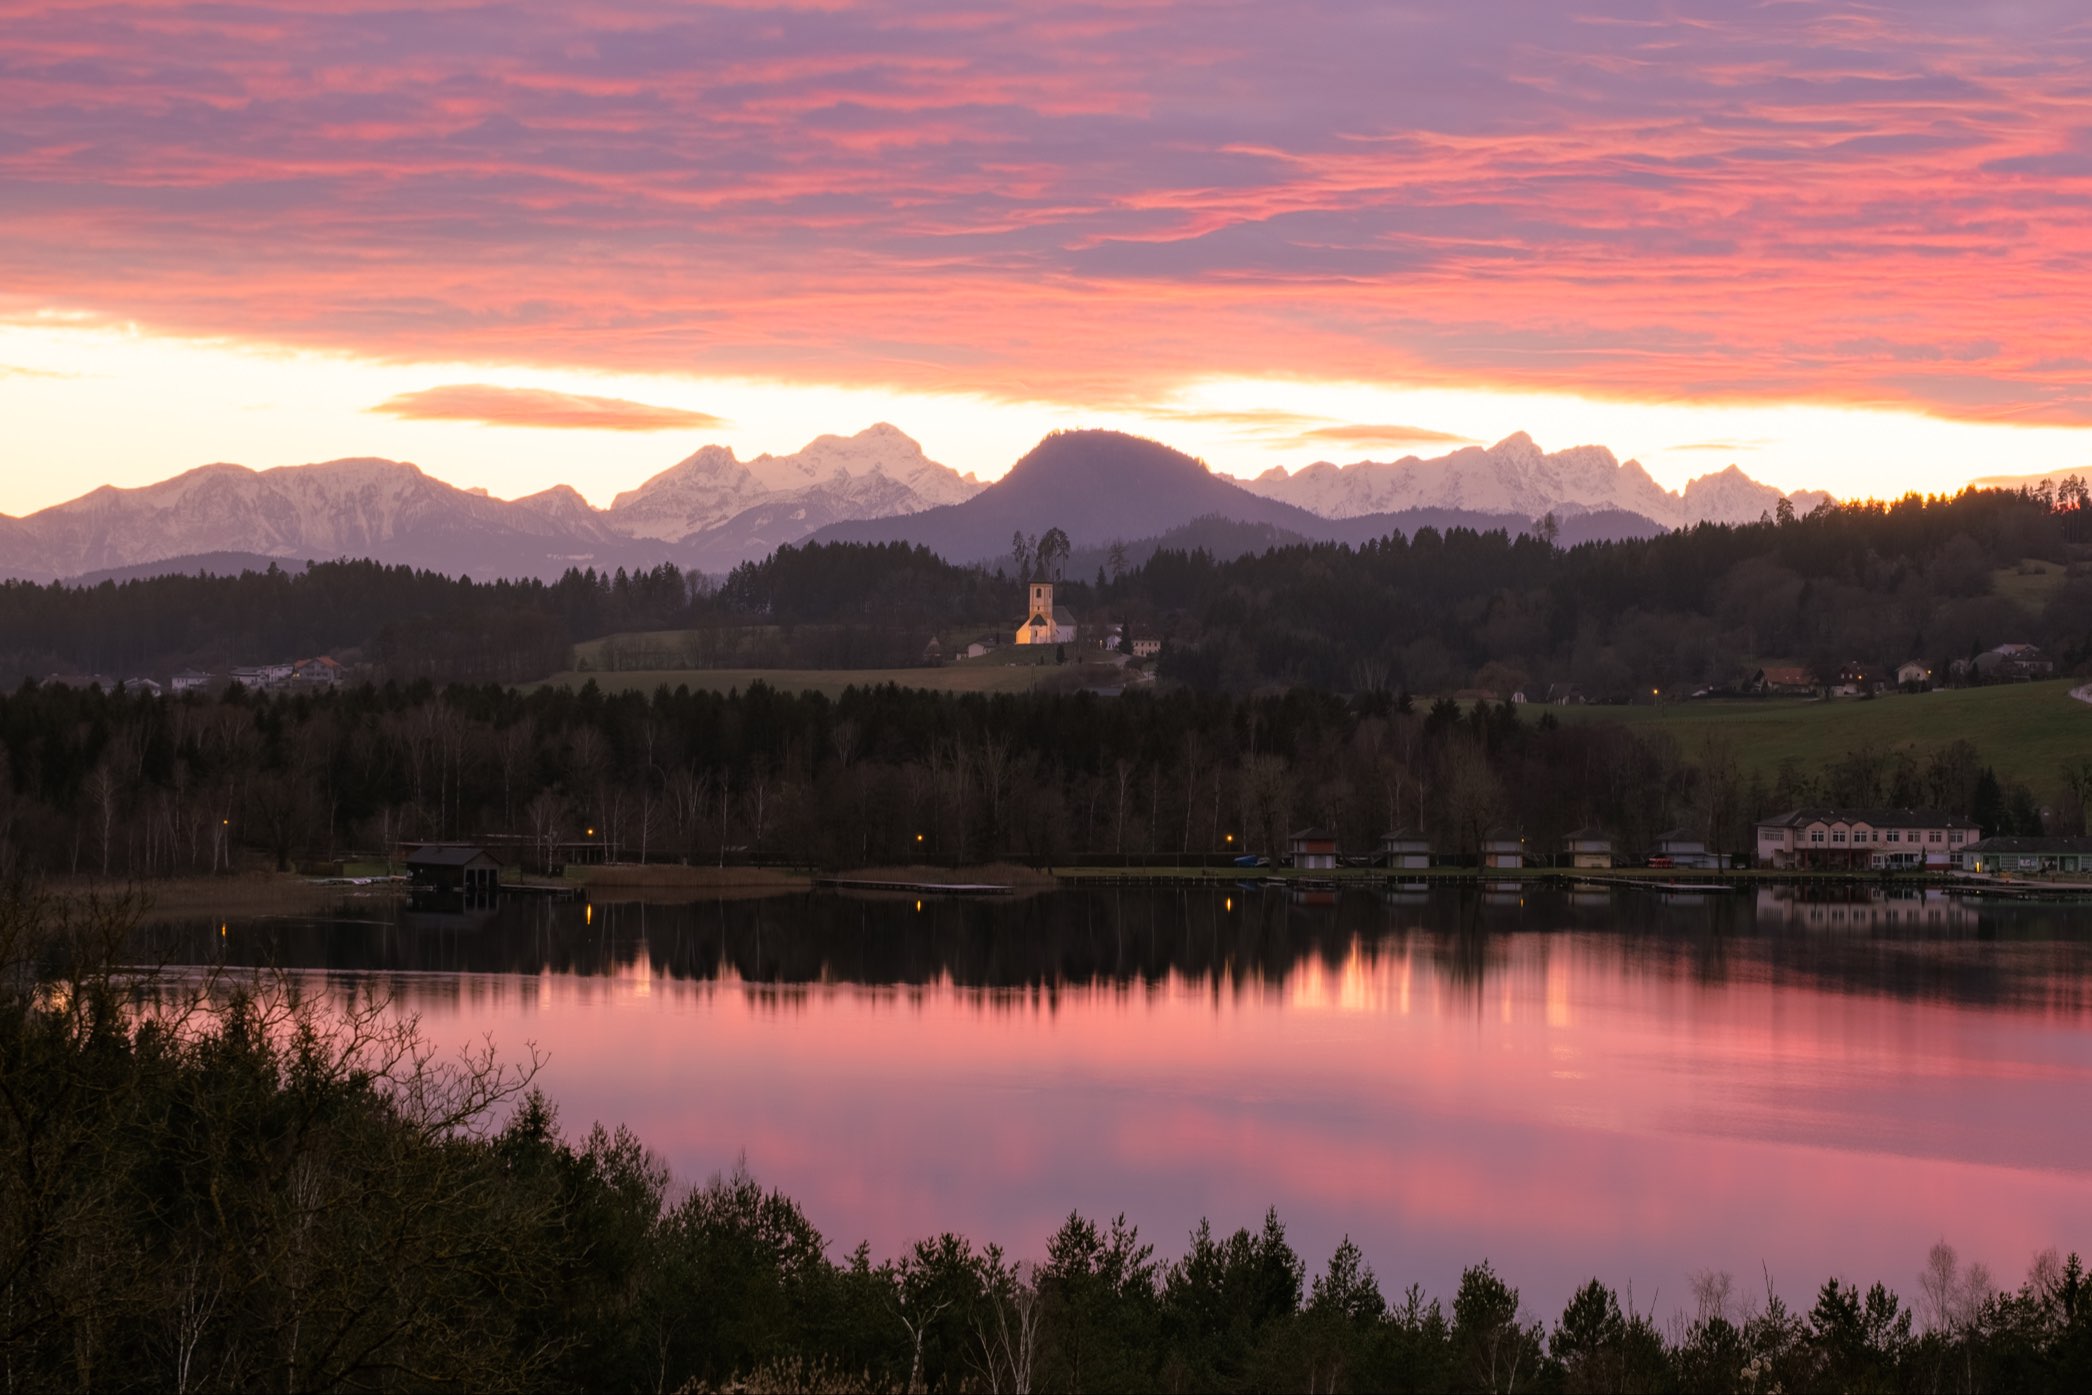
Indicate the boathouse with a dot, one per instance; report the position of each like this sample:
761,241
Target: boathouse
1678,847
1994,855
1588,848
1315,850
1406,850
1503,848
453,869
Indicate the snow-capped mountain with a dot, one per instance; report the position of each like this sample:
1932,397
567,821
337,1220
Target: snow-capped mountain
690,495
1515,476
878,450
344,508
711,510
877,473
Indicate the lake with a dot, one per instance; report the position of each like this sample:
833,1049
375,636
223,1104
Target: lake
1630,1086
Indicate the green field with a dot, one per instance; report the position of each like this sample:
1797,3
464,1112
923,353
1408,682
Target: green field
953,678
2030,584
2025,730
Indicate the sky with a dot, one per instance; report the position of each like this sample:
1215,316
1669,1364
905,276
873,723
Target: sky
1842,245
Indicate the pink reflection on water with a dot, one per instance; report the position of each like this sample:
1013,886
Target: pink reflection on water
1580,1112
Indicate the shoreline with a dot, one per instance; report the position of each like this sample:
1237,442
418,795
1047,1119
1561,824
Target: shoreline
246,893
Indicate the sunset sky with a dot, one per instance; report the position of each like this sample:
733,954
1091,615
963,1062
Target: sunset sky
1841,245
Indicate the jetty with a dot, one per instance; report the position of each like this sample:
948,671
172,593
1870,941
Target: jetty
913,888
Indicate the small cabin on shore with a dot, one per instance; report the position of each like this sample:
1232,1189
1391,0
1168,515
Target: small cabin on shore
1588,848
453,869
1406,850
1315,850
1503,848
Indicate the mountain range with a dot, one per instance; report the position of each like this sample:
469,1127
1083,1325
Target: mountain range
712,510
1515,476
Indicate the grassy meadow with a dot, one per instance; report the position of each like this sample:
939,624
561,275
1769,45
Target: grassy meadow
2025,730
952,678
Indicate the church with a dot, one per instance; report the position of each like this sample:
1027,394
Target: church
1045,622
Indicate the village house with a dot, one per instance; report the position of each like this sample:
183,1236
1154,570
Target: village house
1855,680
1863,839
1914,676
322,672
141,687
191,680
2023,855
2013,663
1146,646
261,677
1588,848
1315,850
1406,849
1677,847
1045,622
1503,848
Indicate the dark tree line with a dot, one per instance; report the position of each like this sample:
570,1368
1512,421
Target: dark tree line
139,786
219,1186
1433,612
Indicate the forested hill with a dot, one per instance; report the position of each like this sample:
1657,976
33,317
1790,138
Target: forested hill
1929,579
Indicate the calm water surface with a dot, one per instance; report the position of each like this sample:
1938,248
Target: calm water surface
1566,1084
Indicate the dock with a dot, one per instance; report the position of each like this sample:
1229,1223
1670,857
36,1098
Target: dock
912,888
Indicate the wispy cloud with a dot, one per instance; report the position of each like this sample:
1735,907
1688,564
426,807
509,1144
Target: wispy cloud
511,406
1720,447
1366,437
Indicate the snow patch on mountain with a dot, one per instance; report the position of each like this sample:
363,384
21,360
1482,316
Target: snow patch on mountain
881,469
1516,476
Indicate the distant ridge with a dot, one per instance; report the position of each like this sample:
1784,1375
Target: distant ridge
198,564
711,511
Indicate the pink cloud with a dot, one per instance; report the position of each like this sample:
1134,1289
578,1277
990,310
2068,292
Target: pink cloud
1091,202
509,406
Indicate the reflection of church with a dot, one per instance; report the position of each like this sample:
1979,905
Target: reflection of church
1045,622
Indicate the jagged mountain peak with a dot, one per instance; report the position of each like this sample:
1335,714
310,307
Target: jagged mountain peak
713,485
1518,476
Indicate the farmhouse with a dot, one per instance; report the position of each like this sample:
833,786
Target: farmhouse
1146,646
1045,622
1790,679
2013,663
1863,839
1914,676
1315,850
